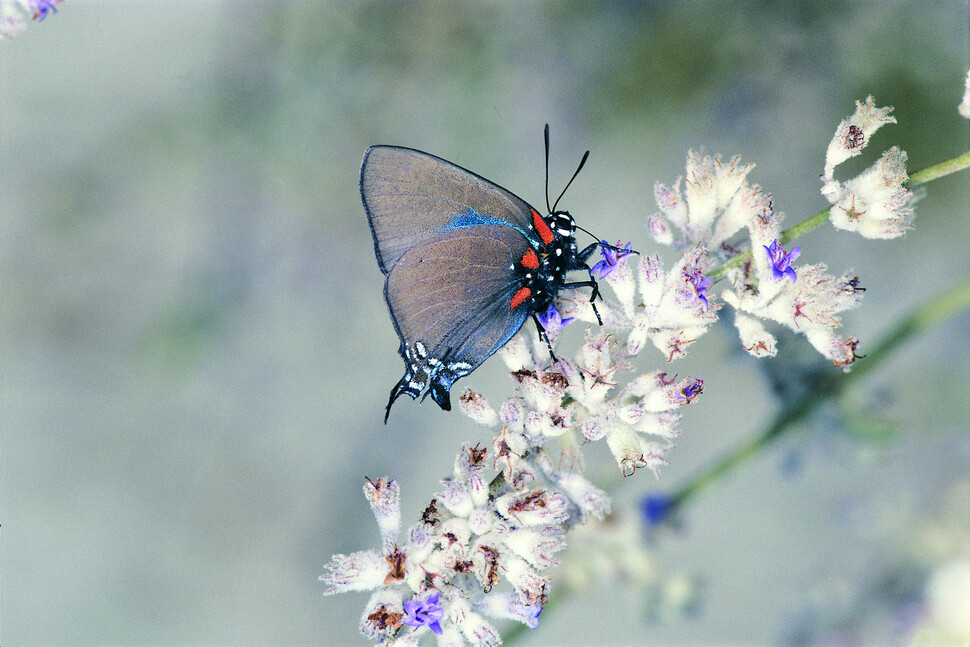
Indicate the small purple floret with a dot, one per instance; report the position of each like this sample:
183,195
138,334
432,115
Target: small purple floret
611,258
693,390
530,614
41,7
551,319
655,508
424,614
700,284
781,262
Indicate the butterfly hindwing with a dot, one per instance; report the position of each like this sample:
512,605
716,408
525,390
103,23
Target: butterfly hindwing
411,197
450,299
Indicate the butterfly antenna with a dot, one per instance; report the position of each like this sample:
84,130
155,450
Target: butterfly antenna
578,169
587,231
547,168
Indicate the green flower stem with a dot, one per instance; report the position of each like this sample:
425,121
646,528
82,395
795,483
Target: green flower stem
928,174
943,306
942,169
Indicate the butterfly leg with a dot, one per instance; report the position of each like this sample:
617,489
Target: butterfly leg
543,336
588,251
583,257
591,283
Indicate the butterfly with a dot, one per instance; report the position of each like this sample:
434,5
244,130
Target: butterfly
466,261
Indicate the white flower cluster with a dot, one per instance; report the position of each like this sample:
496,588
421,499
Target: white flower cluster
473,536
439,578
14,15
876,204
578,401
673,309
717,204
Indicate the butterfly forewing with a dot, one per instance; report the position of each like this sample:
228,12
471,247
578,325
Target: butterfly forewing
411,197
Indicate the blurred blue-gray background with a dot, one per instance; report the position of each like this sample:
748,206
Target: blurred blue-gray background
196,353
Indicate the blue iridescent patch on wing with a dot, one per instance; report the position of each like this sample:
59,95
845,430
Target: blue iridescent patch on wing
470,218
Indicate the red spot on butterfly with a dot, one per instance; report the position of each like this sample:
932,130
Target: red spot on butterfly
519,297
542,228
530,260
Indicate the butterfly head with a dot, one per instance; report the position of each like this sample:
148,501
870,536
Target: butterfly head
561,223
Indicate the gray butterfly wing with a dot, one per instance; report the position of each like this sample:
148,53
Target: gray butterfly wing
451,303
411,197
